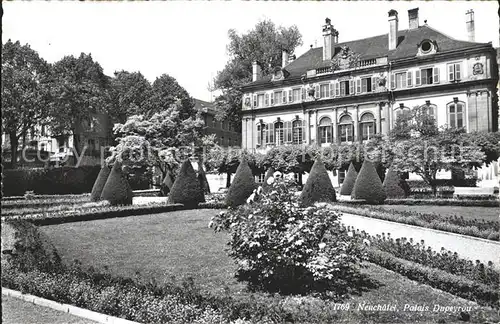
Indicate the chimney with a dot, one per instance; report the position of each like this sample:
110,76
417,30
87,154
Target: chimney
284,58
413,18
330,38
256,71
469,21
393,29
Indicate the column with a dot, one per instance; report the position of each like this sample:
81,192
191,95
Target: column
315,127
388,115
334,124
378,127
356,123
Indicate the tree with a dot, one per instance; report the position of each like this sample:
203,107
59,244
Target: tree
418,122
165,92
318,187
130,93
99,183
25,92
368,185
242,186
186,189
263,44
117,190
349,181
393,185
79,90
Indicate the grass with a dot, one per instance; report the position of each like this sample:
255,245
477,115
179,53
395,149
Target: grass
180,244
486,213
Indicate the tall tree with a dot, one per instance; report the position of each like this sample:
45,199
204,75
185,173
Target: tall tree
130,93
79,89
24,92
263,44
165,92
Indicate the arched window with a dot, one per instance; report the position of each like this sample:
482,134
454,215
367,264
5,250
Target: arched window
367,126
279,133
456,114
430,109
325,130
297,131
346,129
402,112
261,134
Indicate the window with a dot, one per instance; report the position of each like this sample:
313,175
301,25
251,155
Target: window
260,178
297,132
366,85
277,97
261,134
454,72
426,47
367,126
427,76
279,133
346,129
288,132
42,147
283,96
270,133
346,88
295,95
430,109
325,130
260,100
398,80
456,114
402,112
324,91
341,176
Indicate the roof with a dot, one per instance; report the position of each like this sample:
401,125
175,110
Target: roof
374,47
205,106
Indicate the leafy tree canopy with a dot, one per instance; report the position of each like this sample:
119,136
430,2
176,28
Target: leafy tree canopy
130,93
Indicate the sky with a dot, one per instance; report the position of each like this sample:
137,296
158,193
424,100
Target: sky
188,40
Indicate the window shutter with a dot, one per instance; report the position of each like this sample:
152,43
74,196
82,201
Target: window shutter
283,96
393,81
266,99
272,99
259,134
316,92
271,133
458,74
451,72
337,89
435,73
409,79
374,83
290,96
331,90
254,101
351,87
303,93
358,86
288,132
417,78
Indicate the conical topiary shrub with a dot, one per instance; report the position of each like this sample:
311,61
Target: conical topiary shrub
167,184
368,185
186,189
202,178
117,190
393,185
268,175
99,183
242,186
349,181
318,187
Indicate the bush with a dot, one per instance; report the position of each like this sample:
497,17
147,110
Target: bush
202,178
242,186
282,247
167,184
269,174
393,186
368,185
102,177
117,189
186,189
318,187
349,181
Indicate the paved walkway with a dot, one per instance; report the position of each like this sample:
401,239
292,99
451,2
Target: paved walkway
16,311
466,247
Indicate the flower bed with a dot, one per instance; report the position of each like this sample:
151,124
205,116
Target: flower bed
456,285
476,228
45,202
443,260
469,202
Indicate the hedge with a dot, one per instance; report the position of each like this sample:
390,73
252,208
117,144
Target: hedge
117,190
368,185
393,185
102,177
349,181
456,285
318,187
186,188
444,202
242,186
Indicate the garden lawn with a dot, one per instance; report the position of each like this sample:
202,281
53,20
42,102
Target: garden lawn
486,213
180,244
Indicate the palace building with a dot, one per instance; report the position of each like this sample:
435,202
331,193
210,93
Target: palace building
349,91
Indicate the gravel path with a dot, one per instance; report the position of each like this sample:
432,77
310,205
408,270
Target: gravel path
470,248
16,311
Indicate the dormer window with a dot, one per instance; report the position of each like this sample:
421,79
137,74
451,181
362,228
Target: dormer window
426,47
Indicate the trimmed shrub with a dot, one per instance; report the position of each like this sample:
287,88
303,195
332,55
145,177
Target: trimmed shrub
186,189
99,183
268,175
349,181
167,184
393,185
318,187
202,178
117,189
242,186
368,185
